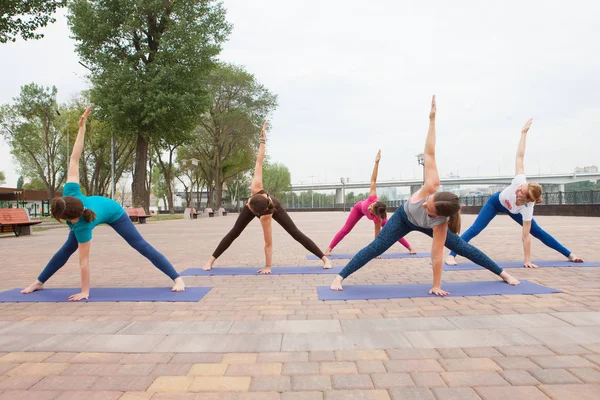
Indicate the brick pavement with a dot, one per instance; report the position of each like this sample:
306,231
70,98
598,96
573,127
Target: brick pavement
268,337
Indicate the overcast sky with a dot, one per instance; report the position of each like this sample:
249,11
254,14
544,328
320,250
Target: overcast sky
356,76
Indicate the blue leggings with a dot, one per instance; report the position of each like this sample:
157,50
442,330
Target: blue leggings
127,230
493,207
397,227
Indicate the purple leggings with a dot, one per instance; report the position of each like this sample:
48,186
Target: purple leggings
355,215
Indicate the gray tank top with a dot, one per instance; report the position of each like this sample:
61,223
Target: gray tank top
418,216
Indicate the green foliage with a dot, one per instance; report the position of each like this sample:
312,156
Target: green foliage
383,197
585,185
3,178
159,186
276,179
34,184
23,17
148,62
227,136
36,136
19,182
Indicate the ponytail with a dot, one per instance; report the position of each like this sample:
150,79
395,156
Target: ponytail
88,215
454,222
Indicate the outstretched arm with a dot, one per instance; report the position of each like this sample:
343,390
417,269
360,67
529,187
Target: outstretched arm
84,266
257,185
373,191
432,178
73,172
520,169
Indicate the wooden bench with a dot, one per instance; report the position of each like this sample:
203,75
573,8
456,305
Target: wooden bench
17,221
193,214
137,215
209,211
223,212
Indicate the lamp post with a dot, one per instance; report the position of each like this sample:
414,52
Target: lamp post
312,191
344,191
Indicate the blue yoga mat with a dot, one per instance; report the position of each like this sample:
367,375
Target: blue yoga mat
519,264
252,271
97,295
371,292
344,256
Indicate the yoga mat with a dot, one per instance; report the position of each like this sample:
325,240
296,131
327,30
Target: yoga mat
343,256
370,292
468,266
252,271
97,295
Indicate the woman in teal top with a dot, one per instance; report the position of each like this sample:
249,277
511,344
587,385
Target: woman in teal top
83,214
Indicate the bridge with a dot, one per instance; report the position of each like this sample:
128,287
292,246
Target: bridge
550,182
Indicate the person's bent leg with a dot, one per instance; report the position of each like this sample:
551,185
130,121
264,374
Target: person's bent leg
487,213
125,228
60,258
353,218
283,219
459,246
396,228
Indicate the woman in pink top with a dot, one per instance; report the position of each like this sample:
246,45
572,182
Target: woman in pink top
370,208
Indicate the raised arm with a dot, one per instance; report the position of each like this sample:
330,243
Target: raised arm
73,172
257,185
373,191
432,178
519,168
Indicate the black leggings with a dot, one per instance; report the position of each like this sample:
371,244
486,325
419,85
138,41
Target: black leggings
282,218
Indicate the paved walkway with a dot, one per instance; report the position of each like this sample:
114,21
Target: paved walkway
269,337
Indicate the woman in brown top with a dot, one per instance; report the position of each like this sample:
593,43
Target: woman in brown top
266,208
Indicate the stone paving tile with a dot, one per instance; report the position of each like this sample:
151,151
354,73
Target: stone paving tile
91,369
29,395
519,378
569,392
554,376
302,396
471,379
357,395
525,351
311,382
512,393
19,382
208,369
271,383
413,366
75,383
368,367
482,352
99,395
351,382
171,384
587,375
455,394
220,384
427,379
469,364
393,380
411,394
562,362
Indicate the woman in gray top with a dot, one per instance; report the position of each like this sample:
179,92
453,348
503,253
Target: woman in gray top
436,215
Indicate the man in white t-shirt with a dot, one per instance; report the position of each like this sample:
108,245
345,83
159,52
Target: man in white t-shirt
517,201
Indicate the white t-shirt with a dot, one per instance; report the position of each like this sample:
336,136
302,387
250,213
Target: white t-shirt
508,199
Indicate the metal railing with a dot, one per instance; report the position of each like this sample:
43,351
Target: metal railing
550,198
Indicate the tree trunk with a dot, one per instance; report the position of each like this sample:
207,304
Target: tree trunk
218,186
139,190
209,194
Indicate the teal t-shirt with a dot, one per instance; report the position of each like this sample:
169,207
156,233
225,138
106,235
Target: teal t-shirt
107,211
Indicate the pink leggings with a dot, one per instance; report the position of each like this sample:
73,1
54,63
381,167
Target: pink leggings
355,216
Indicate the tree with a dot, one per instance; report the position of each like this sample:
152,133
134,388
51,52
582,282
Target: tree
3,178
276,179
23,17
34,184
159,186
32,129
228,132
148,60
20,182
238,187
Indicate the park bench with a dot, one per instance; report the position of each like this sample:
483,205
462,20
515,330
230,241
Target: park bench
209,211
16,220
191,212
137,215
223,212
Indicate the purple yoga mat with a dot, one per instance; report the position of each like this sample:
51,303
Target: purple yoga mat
371,292
519,264
347,256
97,295
252,271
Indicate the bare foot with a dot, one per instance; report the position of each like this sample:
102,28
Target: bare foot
508,278
264,271
574,258
179,285
209,264
529,265
337,283
378,257
451,261
327,263
37,285
328,252
411,251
